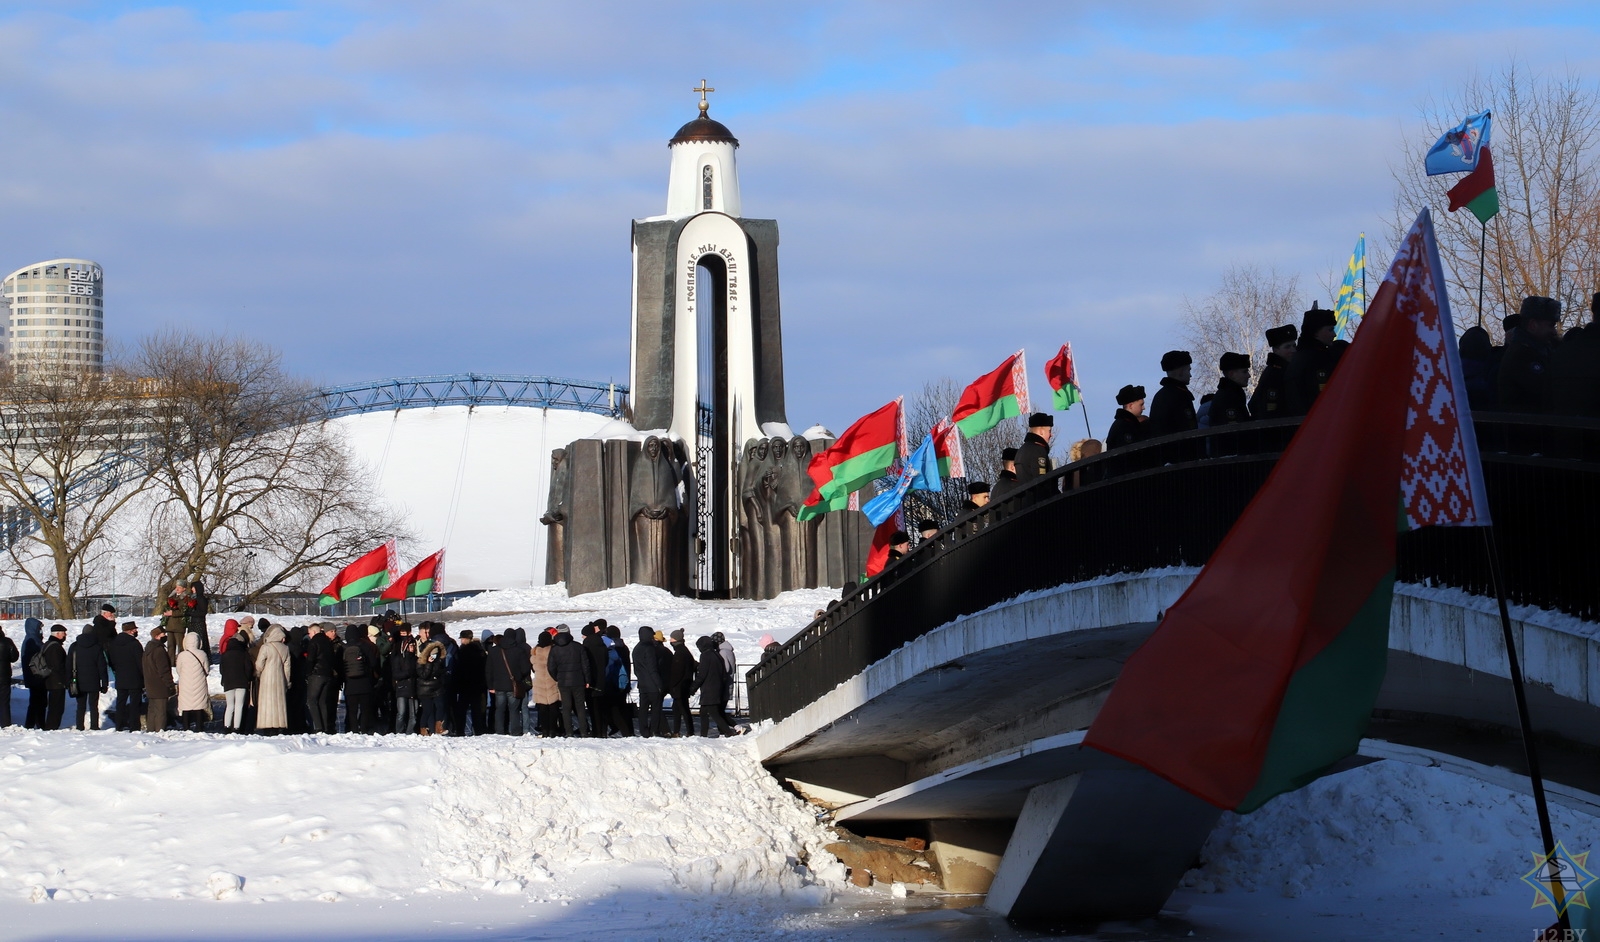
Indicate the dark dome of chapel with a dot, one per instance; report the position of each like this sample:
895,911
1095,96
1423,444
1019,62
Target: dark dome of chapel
704,128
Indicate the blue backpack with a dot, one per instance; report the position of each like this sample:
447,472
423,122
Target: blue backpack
616,673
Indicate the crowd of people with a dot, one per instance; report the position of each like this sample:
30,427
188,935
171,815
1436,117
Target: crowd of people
392,677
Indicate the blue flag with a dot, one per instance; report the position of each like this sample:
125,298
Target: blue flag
1457,151
919,467
1352,302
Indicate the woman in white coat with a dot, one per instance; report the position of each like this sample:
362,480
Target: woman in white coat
194,693
272,679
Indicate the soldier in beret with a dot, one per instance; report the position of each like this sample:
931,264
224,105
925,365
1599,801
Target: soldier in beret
1229,406
1128,427
1033,455
1007,480
1267,402
1313,362
1172,410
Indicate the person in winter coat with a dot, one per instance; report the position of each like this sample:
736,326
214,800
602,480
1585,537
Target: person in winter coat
296,644
126,657
200,605
273,673
506,679
468,686
1230,405
680,684
1172,409
57,679
403,682
546,694
725,648
1523,381
360,660
712,683
8,656
238,670
33,643
194,693
1128,426
90,678
614,686
594,642
157,671
573,669
175,617
1268,400
105,625
651,664
1312,365
431,683
530,717
1033,455
322,679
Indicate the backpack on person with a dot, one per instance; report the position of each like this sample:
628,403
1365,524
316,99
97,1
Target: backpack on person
38,666
616,673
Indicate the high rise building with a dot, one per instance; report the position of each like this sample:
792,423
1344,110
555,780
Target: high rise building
55,316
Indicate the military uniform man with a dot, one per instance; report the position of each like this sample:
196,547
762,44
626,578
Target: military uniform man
1267,402
1033,455
1007,480
977,496
1229,406
1525,368
1312,364
1128,427
1172,411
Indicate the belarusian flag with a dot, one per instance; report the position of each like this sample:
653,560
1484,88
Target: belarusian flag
1063,378
1476,190
993,397
372,571
422,579
947,447
1265,672
878,553
862,454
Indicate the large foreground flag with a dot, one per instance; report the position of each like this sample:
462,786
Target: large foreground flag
422,579
1457,150
1264,673
370,572
1062,375
993,397
1352,301
862,454
1476,191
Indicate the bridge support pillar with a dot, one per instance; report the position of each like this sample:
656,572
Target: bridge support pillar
1102,844
968,852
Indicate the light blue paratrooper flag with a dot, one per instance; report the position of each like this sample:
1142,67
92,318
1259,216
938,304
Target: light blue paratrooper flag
1352,302
1458,149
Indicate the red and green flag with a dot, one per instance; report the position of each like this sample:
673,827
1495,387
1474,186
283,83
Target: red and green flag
367,574
862,454
1062,376
993,397
947,448
1476,191
878,553
1264,674
421,579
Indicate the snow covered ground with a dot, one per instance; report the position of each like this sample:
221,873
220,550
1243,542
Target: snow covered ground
179,835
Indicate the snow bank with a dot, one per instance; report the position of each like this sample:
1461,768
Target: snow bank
1384,830
187,816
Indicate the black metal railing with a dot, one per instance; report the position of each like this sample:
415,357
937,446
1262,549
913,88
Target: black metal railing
1169,502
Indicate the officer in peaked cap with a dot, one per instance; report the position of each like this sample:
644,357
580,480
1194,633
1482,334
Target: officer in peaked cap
1312,364
1229,406
1172,410
1267,401
1128,427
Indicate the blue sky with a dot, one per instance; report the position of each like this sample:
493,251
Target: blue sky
389,188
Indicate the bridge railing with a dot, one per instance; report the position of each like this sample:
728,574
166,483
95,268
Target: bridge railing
1169,502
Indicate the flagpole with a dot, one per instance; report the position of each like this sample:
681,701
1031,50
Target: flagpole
1483,242
1530,749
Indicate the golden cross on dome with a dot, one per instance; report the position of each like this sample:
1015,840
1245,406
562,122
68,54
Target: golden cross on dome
702,90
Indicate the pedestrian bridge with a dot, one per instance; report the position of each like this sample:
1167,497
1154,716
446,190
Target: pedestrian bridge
948,698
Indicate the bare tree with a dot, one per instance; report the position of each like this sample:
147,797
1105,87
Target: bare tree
1545,142
255,488
72,456
1235,318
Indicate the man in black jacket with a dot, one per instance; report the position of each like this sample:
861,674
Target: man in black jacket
156,669
506,681
1006,481
322,678
594,643
1033,455
1525,368
468,686
680,683
126,657
1129,427
573,670
1229,406
60,676
1312,364
1172,409
105,625
712,683
1267,402
403,681
8,656
651,666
